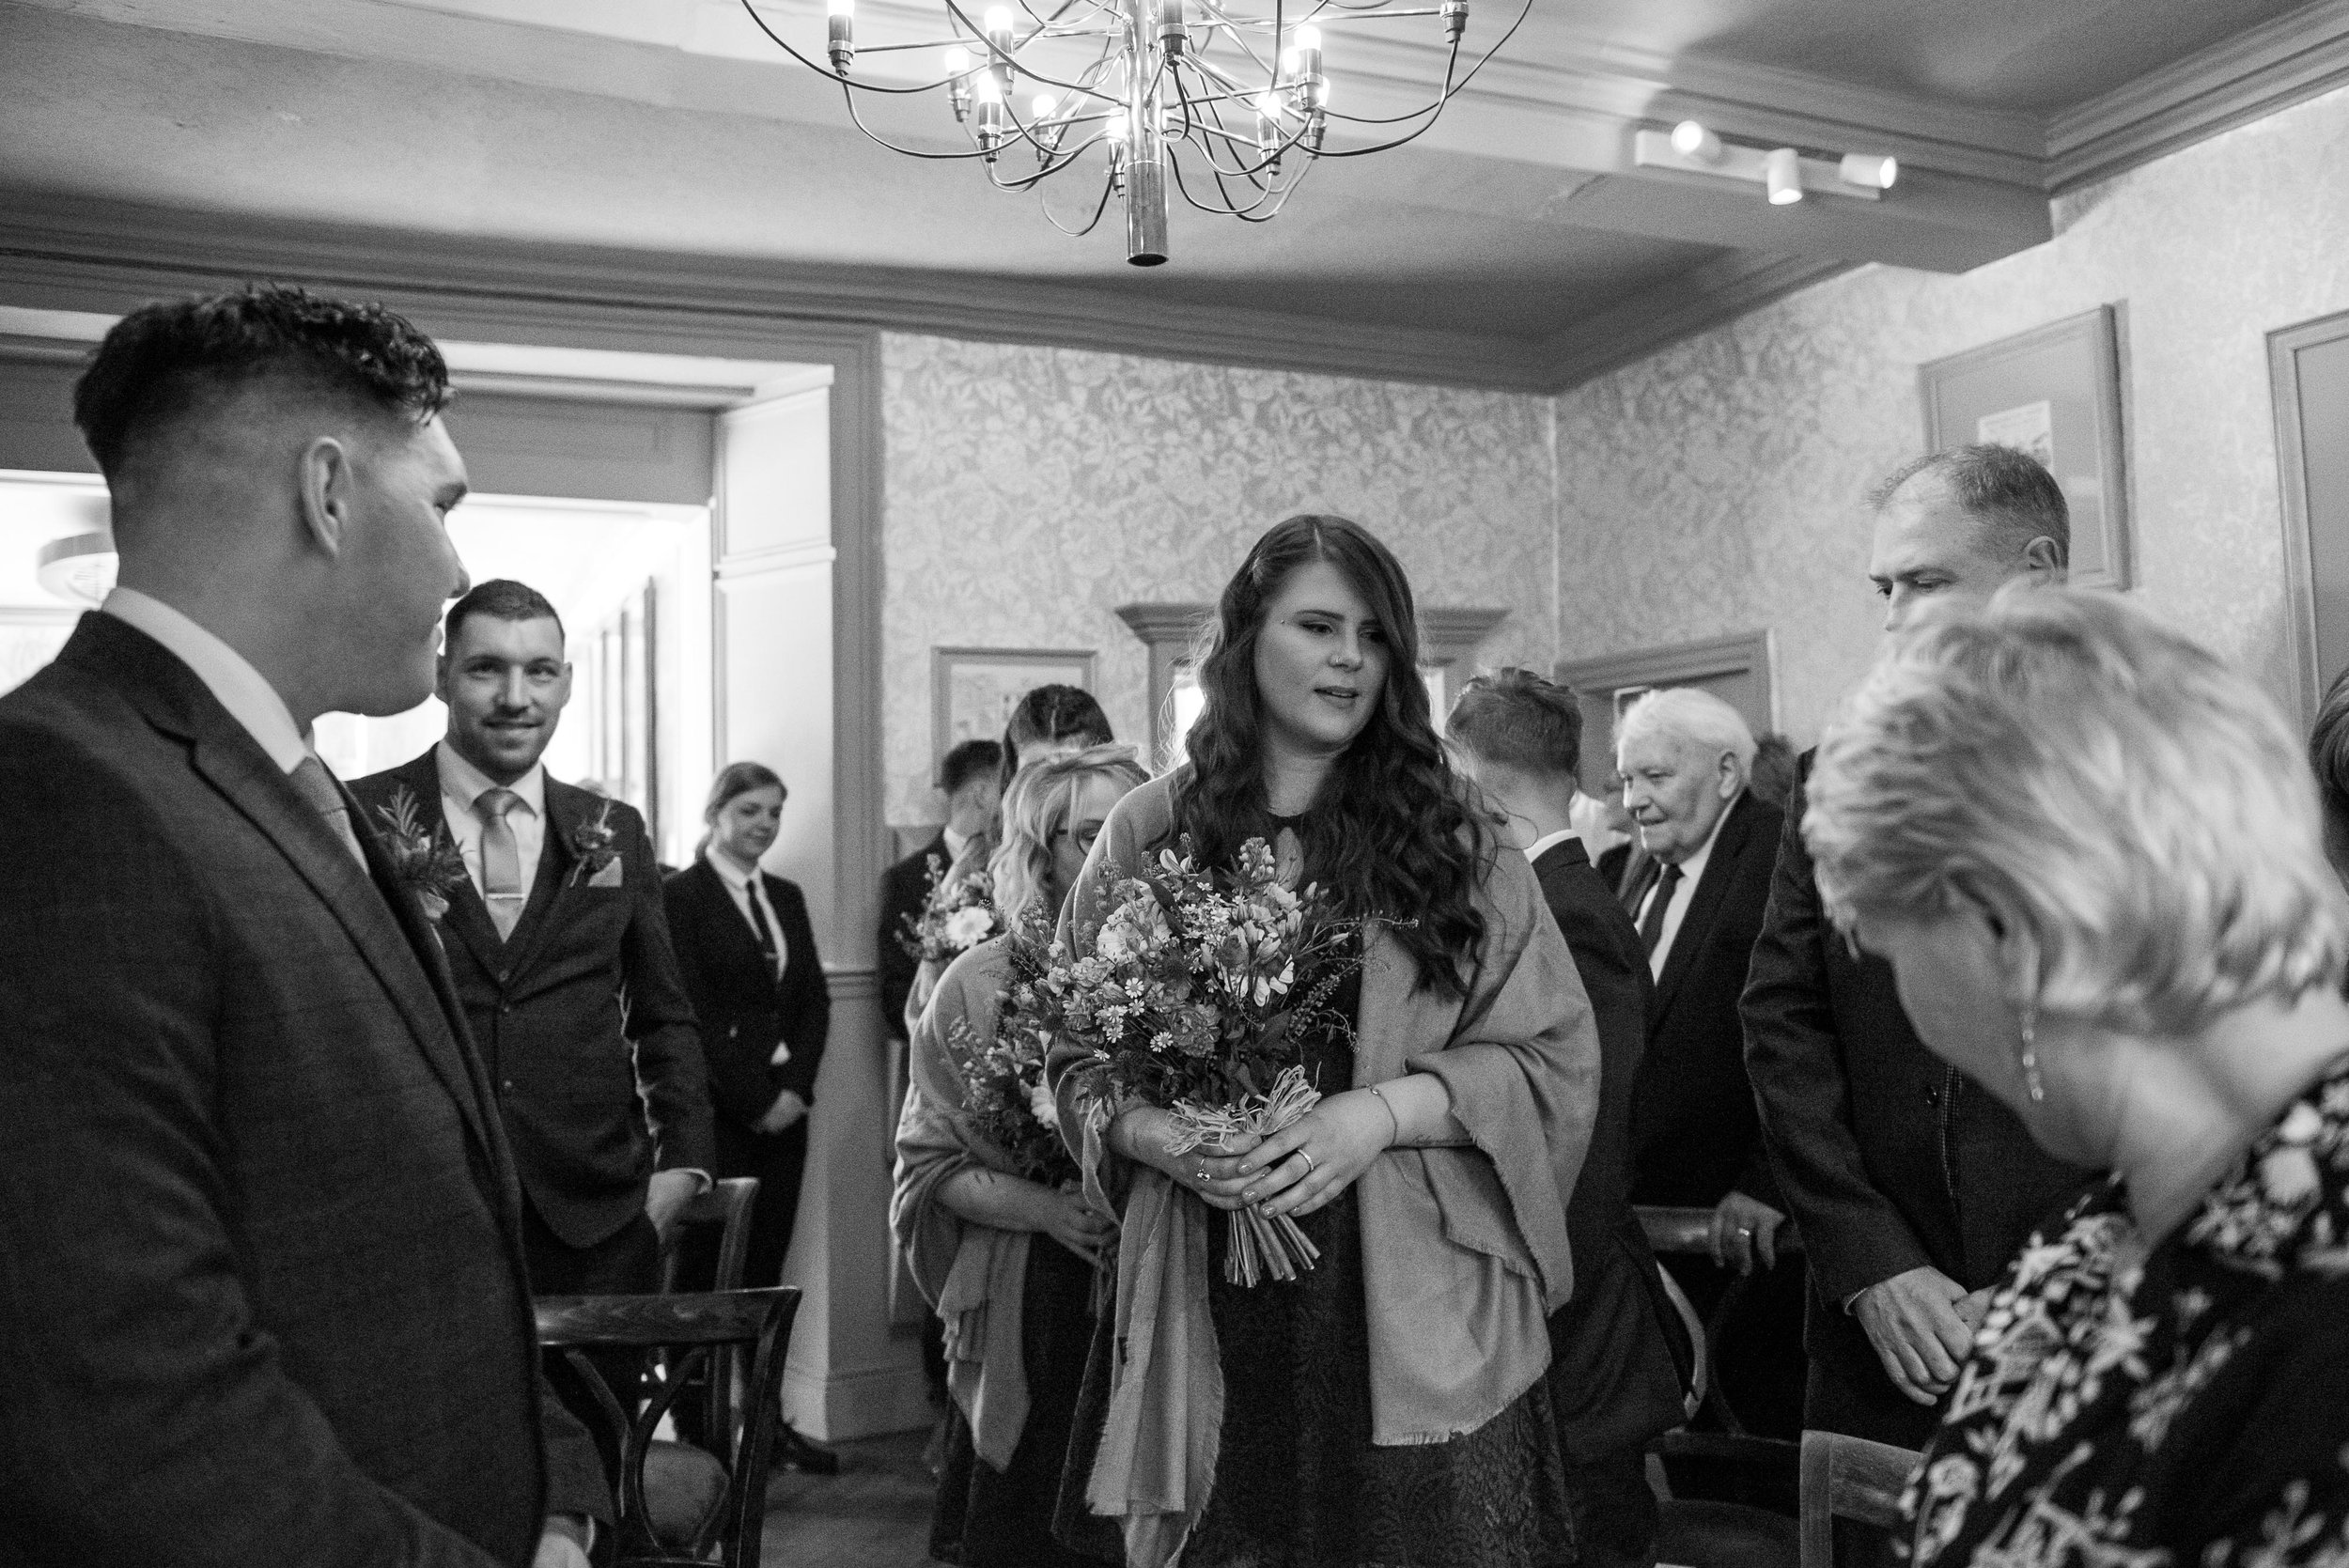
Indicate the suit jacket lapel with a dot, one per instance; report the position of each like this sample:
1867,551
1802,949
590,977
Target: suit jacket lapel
468,916
239,769
1704,902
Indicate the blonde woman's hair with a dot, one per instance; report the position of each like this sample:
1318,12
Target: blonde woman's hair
1036,807
2135,814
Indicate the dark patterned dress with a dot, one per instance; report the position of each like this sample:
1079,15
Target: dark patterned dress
989,1518
2186,1406
1297,1482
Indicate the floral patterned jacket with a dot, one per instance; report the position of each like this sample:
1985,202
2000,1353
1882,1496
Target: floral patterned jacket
2187,1406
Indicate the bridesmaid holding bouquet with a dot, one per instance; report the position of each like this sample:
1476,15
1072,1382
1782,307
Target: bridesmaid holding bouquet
1387,1405
997,1232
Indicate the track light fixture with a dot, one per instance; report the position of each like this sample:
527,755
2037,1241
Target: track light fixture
1787,174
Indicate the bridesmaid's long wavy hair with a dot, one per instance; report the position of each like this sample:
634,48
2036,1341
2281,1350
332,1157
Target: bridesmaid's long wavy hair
1389,834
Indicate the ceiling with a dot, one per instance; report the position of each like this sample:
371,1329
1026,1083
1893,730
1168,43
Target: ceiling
1516,245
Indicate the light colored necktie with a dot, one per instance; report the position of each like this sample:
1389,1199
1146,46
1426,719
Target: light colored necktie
500,860
318,787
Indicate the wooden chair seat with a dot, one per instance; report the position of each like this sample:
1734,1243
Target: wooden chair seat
1853,1478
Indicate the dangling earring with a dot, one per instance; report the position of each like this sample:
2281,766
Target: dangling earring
2031,1084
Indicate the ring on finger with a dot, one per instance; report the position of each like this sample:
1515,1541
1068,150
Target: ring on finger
1308,1160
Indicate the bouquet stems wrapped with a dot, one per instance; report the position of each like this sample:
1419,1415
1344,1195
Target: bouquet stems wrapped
1261,1244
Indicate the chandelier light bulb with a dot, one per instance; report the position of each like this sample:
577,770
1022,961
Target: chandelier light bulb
1268,105
1782,172
1042,108
1869,171
957,60
1308,37
840,34
1693,140
984,87
1118,127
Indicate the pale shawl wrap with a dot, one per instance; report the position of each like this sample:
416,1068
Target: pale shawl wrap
1464,1249
973,1275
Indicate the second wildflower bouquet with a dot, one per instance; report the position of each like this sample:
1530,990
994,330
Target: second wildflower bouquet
957,914
1199,992
1007,1098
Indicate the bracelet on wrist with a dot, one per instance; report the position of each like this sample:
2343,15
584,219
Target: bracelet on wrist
1394,1122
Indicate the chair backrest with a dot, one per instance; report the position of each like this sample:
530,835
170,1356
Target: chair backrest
726,1204
1849,1477
693,1329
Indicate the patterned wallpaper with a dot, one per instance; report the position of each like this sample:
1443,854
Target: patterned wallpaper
1030,492
1715,485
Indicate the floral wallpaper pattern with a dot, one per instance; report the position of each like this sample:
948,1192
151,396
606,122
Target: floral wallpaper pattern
1030,492
1717,485
1714,487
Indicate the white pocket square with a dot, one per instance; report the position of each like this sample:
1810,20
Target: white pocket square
609,876
783,1054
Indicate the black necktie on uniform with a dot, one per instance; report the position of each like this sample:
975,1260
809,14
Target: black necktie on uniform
758,923
1652,928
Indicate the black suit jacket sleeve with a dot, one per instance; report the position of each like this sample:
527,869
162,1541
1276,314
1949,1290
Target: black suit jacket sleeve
741,1083
806,999
671,1073
148,1418
1853,1234
903,887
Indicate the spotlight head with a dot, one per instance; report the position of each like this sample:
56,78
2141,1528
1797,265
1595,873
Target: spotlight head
1782,172
1869,171
1693,140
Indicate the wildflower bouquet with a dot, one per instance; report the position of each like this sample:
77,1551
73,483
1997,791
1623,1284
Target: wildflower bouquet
1005,1095
1200,990
957,914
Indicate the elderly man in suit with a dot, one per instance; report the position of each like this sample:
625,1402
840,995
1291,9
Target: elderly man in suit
560,944
1685,756
262,1298
1912,1187
1618,1350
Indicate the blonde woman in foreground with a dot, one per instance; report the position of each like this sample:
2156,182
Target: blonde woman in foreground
975,1229
2092,852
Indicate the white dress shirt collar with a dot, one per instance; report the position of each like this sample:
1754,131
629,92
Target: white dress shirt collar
954,842
233,682
735,877
1548,842
463,782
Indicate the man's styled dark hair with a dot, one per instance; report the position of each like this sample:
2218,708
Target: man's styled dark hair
501,599
170,359
2008,492
966,762
1517,720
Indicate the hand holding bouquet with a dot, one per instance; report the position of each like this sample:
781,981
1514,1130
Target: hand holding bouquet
1197,996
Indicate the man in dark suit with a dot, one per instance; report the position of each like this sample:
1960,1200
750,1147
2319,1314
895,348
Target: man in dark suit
1695,1139
1912,1187
1618,1350
560,945
262,1298
967,778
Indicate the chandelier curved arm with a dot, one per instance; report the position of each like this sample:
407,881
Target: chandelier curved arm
1452,89
878,140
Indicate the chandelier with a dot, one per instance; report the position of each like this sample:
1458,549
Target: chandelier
1225,106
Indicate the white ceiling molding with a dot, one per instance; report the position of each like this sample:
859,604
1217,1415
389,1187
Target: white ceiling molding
2269,68
1655,319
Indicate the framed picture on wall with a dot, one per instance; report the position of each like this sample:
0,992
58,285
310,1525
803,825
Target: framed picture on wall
973,690
2055,393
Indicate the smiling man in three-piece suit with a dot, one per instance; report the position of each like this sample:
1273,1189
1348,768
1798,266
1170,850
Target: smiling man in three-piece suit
262,1298
561,949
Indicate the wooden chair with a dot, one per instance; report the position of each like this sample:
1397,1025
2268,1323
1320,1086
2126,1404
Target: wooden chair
726,1204
1697,1532
1849,1477
677,1501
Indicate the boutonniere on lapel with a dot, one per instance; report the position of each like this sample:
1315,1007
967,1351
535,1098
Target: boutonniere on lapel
424,861
599,850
